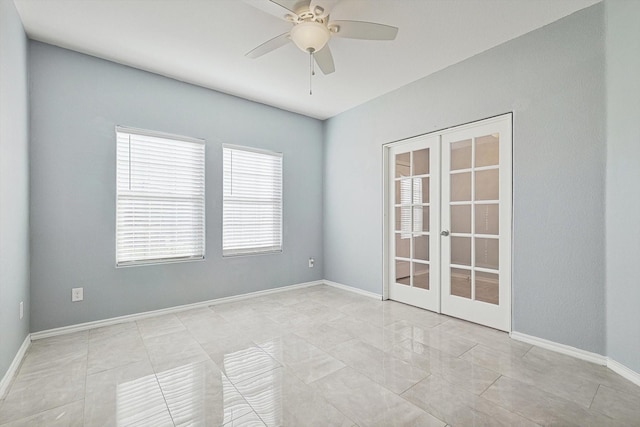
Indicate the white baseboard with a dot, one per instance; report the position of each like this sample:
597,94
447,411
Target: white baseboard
137,316
15,365
561,348
352,289
599,359
623,371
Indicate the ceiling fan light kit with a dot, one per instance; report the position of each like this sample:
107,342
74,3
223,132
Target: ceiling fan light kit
310,36
312,29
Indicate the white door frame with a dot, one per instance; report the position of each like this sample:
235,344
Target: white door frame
386,203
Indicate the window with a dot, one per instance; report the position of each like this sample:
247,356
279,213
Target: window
252,201
160,198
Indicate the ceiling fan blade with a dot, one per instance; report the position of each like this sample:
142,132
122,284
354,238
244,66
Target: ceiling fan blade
276,8
322,8
363,30
269,46
324,59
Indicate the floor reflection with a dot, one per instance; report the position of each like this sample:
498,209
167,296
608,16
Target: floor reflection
201,394
261,384
138,400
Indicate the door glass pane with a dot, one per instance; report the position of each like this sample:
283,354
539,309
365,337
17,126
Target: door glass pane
461,219
461,187
403,220
403,272
420,190
403,192
420,219
487,287
402,165
421,275
421,162
461,250
461,154
487,217
487,150
421,248
487,185
461,282
403,246
487,253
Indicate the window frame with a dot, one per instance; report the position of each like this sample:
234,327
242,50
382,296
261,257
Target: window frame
176,138
235,252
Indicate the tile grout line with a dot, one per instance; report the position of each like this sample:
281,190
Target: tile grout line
163,397
245,399
376,382
502,407
253,376
233,384
535,386
412,385
594,396
9,423
422,409
467,351
526,352
489,386
315,388
155,374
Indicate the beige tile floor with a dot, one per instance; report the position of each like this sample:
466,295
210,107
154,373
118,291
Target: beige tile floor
316,356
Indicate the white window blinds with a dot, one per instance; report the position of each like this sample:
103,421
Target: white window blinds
252,201
160,198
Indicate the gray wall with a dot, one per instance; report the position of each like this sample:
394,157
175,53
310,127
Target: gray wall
14,185
553,81
623,179
77,100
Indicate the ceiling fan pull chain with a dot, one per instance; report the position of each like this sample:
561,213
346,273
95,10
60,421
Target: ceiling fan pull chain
311,73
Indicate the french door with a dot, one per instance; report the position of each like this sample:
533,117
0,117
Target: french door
415,225
449,222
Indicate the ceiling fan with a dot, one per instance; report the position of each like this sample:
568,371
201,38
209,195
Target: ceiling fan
312,29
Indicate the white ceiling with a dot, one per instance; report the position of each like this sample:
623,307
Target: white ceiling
204,42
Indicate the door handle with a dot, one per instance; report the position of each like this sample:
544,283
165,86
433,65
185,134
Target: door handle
444,233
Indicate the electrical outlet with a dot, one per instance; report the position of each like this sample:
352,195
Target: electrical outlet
77,294
311,262
21,309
